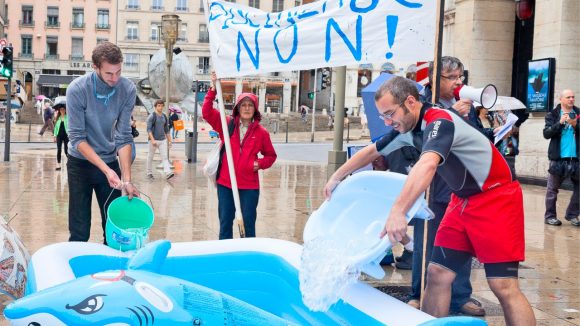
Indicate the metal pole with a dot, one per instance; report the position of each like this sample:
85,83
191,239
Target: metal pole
8,115
347,131
168,60
194,140
313,106
286,131
337,156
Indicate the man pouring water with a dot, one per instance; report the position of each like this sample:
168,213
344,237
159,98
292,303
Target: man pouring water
485,216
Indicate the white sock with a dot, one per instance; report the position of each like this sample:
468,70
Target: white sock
409,246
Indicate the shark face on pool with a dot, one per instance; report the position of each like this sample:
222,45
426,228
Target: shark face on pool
136,296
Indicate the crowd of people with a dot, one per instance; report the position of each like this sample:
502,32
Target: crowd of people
450,150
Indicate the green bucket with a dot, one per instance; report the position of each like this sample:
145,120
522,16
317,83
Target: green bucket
128,223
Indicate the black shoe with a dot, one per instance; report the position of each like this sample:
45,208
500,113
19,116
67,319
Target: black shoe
574,221
405,261
554,221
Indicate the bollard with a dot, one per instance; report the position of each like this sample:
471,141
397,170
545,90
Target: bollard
347,131
286,131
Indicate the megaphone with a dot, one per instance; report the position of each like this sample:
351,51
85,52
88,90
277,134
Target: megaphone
486,95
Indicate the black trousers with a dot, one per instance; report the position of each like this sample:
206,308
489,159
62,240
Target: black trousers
83,179
60,141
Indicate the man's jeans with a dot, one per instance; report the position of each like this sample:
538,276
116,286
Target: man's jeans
226,210
83,178
461,287
162,146
554,183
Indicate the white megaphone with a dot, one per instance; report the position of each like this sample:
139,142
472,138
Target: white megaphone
486,95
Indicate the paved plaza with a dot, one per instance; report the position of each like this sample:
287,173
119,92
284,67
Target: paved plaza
35,196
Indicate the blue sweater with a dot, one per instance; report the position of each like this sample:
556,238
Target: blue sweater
100,115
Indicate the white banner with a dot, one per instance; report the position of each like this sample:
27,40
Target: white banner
325,33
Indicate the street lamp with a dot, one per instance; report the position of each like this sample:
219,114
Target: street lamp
169,30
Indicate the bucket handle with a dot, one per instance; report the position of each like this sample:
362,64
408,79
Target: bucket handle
140,192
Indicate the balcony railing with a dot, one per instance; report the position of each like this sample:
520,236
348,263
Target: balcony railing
77,25
26,23
157,8
132,7
131,38
154,38
103,26
76,57
26,55
182,9
49,56
6,21
52,24
201,9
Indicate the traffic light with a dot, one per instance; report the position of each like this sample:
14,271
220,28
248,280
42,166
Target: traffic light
325,78
6,70
311,95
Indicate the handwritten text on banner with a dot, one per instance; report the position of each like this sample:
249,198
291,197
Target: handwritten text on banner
245,40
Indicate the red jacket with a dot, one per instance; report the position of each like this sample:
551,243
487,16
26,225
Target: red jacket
245,152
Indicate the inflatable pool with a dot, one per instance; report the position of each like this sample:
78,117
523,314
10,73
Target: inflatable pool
68,285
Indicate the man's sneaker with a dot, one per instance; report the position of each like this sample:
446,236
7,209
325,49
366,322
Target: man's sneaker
169,175
574,221
472,308
405,261
150,176
554,221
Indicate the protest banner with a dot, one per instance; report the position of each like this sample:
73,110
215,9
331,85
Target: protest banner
247,41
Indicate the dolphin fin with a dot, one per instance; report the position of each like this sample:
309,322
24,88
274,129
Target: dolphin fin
151,257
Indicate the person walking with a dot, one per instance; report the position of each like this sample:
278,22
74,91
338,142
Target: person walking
248,139
48,117
60,131
99,120
159,139
561,129
172,118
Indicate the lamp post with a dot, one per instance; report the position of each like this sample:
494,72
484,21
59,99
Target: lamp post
169,30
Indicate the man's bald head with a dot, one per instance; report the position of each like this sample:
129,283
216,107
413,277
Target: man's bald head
567,99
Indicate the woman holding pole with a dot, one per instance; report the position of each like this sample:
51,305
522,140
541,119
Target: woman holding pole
248,139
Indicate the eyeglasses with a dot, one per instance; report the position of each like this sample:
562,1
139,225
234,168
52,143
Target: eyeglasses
454,78
389,116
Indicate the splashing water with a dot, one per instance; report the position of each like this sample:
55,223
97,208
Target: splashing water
327,269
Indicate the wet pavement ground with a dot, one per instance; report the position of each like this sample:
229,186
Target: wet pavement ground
36,197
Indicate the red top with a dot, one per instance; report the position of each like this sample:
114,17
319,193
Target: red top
244,152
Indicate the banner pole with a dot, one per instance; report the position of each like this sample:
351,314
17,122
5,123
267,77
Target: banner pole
226,133
434,99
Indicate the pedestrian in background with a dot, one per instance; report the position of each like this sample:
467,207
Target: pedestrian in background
48,119
99,120
159,139
60,131
172,118
248,138
561,129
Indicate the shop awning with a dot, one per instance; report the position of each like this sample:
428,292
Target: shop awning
60,81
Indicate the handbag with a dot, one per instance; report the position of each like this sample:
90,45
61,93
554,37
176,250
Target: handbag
134,132
213,162
178,125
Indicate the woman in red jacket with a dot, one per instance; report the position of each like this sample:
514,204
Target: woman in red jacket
248,139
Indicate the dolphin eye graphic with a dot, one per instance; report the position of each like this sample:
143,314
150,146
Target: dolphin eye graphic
89,305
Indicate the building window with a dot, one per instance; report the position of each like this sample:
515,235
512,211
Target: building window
203,34
201,7
132,31
77,49
277,5
51,71
155,30
103,19
78,20
75,72
131,61
181,5
52,47
27,16
234,1
26,50
102,40
254,3
203,66
182,37
133,4
157,5
52,17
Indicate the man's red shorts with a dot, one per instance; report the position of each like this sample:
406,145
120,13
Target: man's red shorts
489,225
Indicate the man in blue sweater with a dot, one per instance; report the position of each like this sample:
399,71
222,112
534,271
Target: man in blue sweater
99,109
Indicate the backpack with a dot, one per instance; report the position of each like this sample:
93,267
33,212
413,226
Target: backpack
166,122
